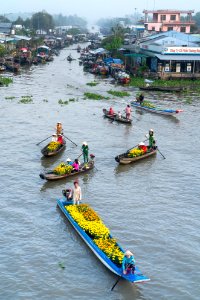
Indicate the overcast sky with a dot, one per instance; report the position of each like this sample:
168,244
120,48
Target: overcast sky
94,9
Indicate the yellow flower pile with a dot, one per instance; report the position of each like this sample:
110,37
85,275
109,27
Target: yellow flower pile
111,249
63,169
91,223
148,104
135,152
53,146
95,229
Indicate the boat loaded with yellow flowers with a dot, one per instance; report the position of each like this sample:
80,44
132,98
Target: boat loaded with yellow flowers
133,155
98,238
64,171
147,106
53,148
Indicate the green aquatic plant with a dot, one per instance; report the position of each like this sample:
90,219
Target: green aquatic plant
10,98
5,81
62,102
72,99
118,93
93,96
93,83
26,99
45,100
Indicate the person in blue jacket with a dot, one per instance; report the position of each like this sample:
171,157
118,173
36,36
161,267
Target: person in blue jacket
128,262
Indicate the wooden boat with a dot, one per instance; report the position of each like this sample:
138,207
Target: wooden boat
69,58
46,153
116,118
51,176
162,88
125,160
137,277
167,112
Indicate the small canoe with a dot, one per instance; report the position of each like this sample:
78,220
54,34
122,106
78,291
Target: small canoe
162,88
116,118
125,160
51,176
167,112
137,277
46,153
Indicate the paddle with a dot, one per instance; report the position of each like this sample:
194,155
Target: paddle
161,153
43,140
120,277
70,140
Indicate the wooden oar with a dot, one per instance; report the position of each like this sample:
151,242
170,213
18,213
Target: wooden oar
70,140
161,153
116,283
43,140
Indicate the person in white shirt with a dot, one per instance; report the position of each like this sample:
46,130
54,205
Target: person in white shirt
77,195
54,137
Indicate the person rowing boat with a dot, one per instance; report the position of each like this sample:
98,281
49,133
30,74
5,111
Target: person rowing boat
85,150
152,142
59,128
128,112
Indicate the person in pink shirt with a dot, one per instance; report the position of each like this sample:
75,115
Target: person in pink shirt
75,165
128,112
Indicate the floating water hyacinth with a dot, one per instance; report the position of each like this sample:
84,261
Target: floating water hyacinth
94,96
118,93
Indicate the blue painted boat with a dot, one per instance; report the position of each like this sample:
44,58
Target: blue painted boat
137,277
167,112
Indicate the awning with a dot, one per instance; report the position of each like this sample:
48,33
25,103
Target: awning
135,55
178,57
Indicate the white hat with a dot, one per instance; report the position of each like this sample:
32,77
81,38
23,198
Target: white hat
54,134
85,143
128,253
151,130
141,144
59,123
68,159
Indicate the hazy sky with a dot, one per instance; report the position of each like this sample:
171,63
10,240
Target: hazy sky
94,9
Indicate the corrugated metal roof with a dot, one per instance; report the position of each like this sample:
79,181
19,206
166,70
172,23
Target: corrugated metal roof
175,34
179,57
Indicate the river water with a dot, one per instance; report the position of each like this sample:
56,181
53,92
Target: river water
152,207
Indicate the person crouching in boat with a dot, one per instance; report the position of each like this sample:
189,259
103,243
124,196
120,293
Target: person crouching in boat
77,195
128,112
54,137
59,128
128,263
141,98
119,115
60,139
69,162
143,147
75,165
111,111
85,150
152,142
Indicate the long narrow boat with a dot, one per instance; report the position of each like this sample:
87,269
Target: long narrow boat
47,153
116,118
162,88
51,176
167,112
125,160
137,277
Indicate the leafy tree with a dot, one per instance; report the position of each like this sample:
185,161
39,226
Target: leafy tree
70,20
19,21
2,50
42,21
4,20
196,18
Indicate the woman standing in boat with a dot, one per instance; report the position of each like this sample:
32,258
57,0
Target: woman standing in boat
128,262
152,142
85,150
59,128
77,195
128,112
